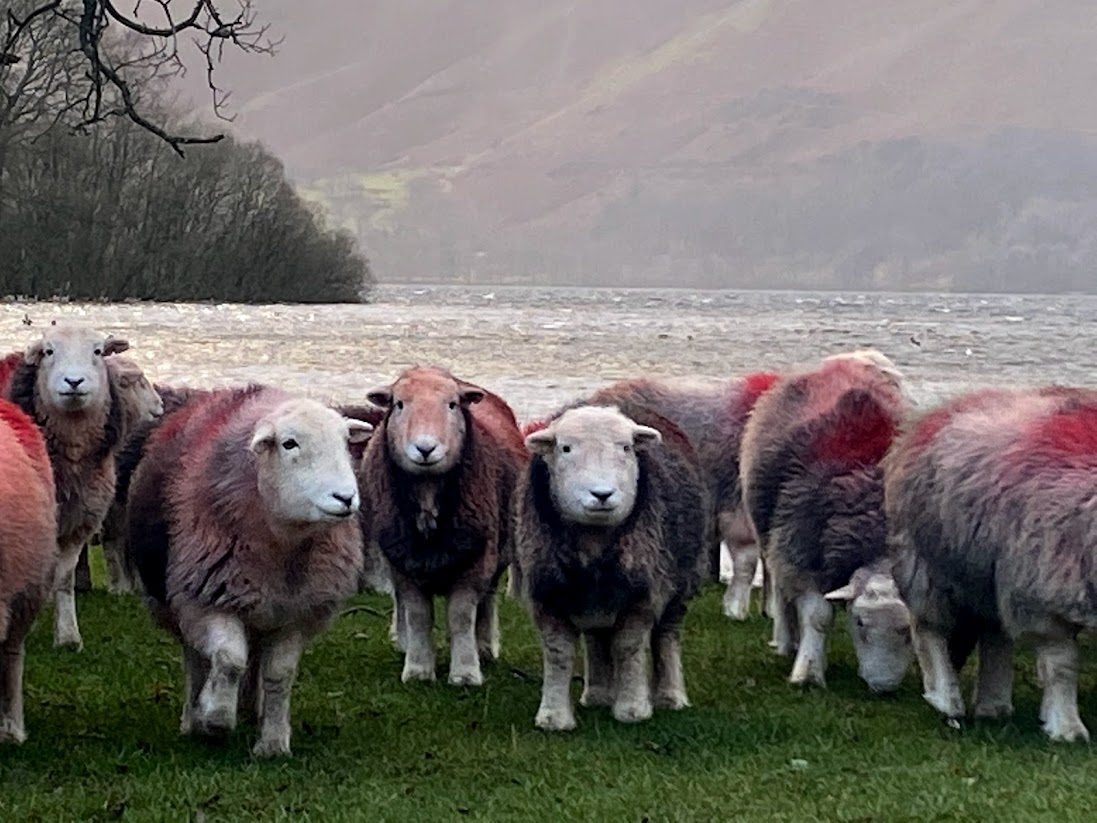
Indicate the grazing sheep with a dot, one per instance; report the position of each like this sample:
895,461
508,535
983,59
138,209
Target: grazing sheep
241,524
436,484
612,529
64,384
28,552
712,415
813,489
992,509
142,406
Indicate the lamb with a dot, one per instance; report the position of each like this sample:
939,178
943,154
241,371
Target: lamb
992,512
813,490
64,384
612,529
436,484
712,415
241,523
28,551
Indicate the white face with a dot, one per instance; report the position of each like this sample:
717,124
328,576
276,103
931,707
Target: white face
304,464
880,625
72,368
592,462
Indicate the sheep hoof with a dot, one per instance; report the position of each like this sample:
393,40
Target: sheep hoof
633,712
272,747
807,678
597,697
470,677
555,720
673,700
993,711
417,672
489,652
1066,731
11,732
952,707
69,641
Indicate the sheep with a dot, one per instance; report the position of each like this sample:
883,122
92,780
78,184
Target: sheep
28,552
142,406
813,490
612,529
436,483
64,384
241,523
712,415
992,512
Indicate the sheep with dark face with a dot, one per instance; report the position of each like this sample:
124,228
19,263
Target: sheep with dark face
813,489
612,526
241,523
65,385
992,509
28,551
436,483
712,414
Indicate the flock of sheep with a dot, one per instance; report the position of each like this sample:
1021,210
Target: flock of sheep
247,516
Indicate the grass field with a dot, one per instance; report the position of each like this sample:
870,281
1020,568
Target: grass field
103,740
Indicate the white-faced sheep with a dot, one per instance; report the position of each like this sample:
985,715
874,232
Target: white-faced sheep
241,524
612,525
992,510
64,384
436,481
712,414
813,488
28,552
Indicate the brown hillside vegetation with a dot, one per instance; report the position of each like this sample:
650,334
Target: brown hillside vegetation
942,144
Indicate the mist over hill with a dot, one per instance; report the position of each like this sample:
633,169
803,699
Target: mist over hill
945,144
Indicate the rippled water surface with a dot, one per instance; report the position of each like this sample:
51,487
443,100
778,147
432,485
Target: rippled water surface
539,347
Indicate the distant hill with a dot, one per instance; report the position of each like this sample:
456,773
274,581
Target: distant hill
832,143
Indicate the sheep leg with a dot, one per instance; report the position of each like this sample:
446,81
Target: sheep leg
815,615
195,672
784,612
278,669
417,610
66,631
398,628
630,645
223,642
464,657
12,728
82,575
487,628
558,654
737,537
598,671
939,679
670,684
994,682
119,575
1057,660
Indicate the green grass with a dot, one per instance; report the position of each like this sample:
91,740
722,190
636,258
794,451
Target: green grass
103,740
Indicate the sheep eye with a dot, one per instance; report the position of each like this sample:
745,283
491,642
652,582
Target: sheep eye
565,449
49,352
98,352
452,405
399,404
289,444
628,449
860,623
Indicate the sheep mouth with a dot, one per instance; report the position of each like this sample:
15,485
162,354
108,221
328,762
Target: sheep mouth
342,514
73,393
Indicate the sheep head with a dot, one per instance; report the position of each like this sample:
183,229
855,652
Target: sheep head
72,368
139,398
304,466
426,419
591,454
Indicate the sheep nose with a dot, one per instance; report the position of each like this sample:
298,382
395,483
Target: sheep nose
425,449
602,494
346,499
74,381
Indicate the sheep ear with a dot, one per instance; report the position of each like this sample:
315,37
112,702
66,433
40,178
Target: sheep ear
263,438
541,442
644,436
115,345
33,354
358,431
381,397
845,593
470,395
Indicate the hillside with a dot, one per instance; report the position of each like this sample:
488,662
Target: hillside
944,144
